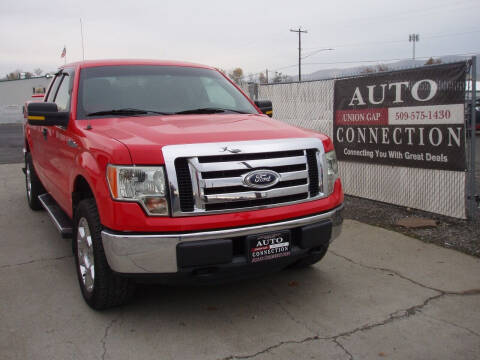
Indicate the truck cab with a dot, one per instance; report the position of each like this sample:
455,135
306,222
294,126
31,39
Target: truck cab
167,171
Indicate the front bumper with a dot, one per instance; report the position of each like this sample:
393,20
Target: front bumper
157,253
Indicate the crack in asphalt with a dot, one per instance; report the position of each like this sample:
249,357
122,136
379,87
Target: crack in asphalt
289,314
341,346
452,324
281,343
35,261
105,336
397,315
465,292
385,270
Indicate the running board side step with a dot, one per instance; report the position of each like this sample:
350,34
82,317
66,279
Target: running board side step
58,216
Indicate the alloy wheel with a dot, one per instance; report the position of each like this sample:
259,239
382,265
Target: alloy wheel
86,259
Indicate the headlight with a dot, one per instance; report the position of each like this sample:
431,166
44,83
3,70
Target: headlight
142,184
332,170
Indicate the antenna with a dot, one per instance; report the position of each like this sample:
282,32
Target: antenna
81,33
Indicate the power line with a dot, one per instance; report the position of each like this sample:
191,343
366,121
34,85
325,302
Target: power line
316,52
453,34
385,60
368,61
392,16
402,41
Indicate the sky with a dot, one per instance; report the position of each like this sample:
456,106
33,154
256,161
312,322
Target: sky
253,35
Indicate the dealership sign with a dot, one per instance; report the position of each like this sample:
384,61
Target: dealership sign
412,118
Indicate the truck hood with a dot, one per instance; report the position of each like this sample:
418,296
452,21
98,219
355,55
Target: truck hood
144,136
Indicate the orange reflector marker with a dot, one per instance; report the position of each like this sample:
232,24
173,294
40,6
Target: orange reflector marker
112,180
30,117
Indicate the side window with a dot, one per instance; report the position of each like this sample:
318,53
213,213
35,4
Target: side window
53,88
63,95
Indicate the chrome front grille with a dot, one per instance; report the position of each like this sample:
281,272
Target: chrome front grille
209,178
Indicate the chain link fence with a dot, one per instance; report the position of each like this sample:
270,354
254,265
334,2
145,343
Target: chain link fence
472,100
311,105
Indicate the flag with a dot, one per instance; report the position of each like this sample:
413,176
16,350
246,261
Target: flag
64,52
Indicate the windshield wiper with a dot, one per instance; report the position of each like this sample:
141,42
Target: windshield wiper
209,110
126,111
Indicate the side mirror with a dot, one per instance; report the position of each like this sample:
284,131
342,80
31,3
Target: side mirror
265,106
46,114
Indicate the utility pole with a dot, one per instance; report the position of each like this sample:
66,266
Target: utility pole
413,38
299,31
266,75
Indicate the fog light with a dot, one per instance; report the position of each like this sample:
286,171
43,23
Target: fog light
156,205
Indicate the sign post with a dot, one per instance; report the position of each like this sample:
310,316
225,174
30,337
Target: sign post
473,124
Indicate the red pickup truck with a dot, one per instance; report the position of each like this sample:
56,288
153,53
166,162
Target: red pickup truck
167,171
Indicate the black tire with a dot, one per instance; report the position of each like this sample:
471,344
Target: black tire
311,259
36,187
108,289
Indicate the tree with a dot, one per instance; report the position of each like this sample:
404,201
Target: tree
262,78
28,75
382,67
367,70
14,75
432,61
38,71
279,77
236,75
374,69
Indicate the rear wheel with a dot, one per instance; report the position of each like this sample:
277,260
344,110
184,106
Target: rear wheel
100,287
33,185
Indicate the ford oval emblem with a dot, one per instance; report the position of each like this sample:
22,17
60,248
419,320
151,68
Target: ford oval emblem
261,179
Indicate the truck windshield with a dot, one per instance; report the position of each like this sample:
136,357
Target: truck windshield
135,90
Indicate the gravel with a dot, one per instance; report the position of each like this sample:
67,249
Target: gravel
461,235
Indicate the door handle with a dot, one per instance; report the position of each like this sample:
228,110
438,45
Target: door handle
45,133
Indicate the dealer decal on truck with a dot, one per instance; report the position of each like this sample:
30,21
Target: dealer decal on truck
269,246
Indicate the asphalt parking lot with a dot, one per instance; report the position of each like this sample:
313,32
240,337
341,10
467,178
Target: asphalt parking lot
377,294
11,143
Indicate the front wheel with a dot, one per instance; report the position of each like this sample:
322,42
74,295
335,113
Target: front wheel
100,287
